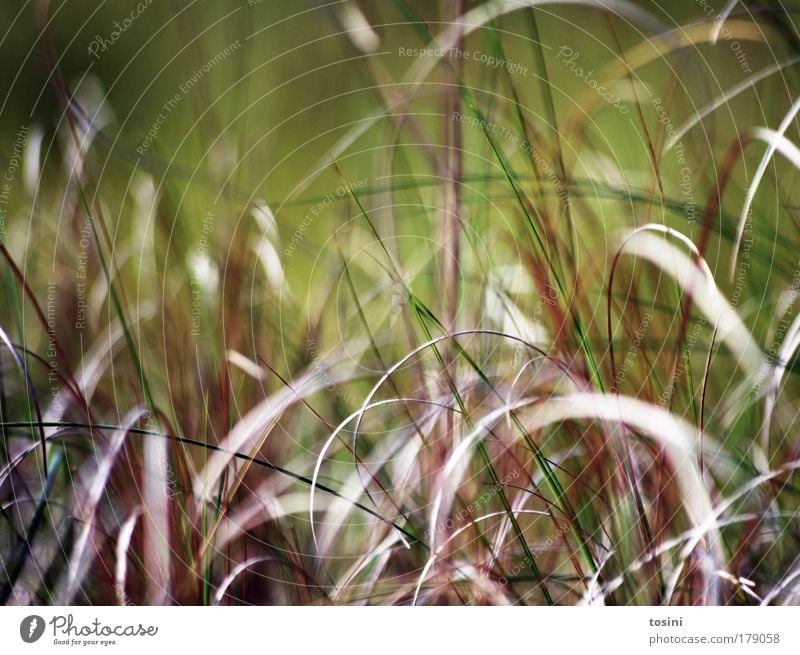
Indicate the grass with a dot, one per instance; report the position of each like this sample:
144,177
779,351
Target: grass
338,324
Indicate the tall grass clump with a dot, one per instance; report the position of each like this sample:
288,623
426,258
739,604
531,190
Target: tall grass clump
486,302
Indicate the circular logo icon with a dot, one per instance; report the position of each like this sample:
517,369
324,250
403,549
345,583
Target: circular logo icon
31,629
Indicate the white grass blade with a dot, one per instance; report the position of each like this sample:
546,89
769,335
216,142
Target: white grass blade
357,27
